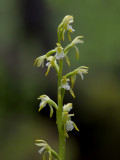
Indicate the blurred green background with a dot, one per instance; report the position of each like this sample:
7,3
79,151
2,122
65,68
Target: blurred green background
28,30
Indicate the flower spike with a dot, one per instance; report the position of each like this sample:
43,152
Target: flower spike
64,121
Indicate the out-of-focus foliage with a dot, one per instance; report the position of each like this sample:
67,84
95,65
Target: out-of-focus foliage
27,30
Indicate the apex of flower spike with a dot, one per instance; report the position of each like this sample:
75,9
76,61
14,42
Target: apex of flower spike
66,23
65,26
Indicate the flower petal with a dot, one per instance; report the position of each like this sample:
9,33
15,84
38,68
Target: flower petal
42,149
42,105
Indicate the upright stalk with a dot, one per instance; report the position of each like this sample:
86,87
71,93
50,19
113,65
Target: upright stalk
63,117
62,139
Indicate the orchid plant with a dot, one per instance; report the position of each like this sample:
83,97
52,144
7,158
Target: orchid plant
54,58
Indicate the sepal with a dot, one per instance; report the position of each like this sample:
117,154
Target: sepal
73,79
72,93
67,60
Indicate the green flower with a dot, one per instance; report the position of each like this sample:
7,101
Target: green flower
46,100
77,40
59,51
40,61
82,70
66,86
49,150
69,125
51,62
67,108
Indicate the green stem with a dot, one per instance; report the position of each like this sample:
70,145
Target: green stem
62,138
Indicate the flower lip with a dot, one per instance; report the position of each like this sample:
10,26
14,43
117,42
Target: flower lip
69,125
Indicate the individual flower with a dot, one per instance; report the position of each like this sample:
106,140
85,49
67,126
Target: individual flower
40,61
51,62
46,100
66,23
59,51
66,86
67,107
44,146
82,70
49,150
77,40
69,125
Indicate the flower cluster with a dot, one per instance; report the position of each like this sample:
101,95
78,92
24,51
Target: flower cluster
54,58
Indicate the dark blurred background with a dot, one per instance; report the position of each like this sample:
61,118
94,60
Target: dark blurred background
28,30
